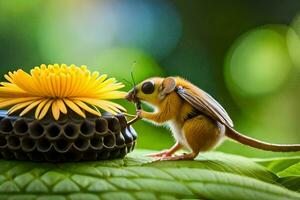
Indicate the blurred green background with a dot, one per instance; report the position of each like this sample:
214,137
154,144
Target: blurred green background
245,53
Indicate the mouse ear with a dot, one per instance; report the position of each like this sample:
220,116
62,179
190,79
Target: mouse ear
167,86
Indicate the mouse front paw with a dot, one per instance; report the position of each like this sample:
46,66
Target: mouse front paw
139,113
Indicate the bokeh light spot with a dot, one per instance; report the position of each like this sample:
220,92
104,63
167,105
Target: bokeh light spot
258,62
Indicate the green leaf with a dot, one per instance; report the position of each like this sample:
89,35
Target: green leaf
287,168
290,177
212,175
278,164
293,170
291,182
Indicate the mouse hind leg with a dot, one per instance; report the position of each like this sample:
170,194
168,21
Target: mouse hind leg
168,152
201,134
184,156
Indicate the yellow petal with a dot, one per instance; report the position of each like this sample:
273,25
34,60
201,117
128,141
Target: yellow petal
28,108
50,85
74,81
95,107
117,106
110,88
102,78
55,110
68,85
39,108
105,83
63,85
85,83
62,106
12,92
99,104
7,77
109,105
79,82
18,107
53,84
74,107
6,84
87,108
24,81
11,101
45,109
112,95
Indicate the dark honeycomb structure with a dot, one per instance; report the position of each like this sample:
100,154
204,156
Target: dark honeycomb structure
68,139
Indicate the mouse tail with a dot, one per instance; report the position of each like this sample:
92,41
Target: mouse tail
233,134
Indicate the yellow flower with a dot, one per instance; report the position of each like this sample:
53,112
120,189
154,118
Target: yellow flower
59,88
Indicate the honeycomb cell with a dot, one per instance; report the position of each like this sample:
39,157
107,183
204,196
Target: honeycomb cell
71,131
127,136
87,129
120,140
81,144
44,145
53,132
131,132
113,124
62,145
63,119
6,126
36,130
96,142
3,142
101,126
109,141
20,127
13,142
28,144
122,120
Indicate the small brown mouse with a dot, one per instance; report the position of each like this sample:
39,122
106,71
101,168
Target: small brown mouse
198,122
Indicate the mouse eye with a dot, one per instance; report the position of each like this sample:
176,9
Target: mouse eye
148,87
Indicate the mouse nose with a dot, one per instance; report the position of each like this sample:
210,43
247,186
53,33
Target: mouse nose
131,94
